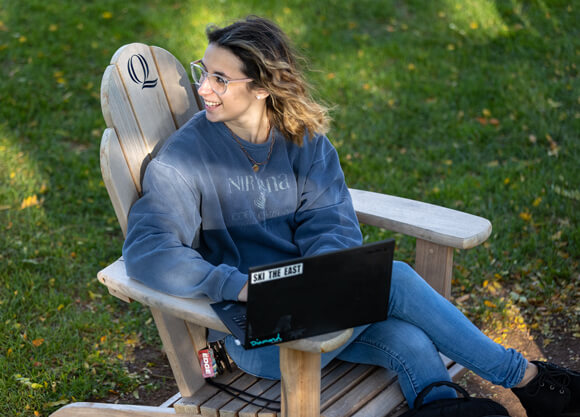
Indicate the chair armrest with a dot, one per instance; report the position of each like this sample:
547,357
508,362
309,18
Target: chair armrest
320,344
435,224
197,310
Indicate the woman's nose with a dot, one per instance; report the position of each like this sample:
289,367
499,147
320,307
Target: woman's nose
204,87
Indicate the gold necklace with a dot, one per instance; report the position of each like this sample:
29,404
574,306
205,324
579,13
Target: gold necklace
255,165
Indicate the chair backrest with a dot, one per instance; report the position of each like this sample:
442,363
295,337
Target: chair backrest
146,95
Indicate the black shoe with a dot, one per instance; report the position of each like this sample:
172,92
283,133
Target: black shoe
554,392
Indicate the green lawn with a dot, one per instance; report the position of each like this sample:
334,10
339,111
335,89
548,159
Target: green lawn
474,105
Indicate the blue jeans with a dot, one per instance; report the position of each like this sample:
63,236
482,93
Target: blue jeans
421,323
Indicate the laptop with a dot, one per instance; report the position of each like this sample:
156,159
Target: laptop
313,295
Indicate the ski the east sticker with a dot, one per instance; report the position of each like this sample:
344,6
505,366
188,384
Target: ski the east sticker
277,273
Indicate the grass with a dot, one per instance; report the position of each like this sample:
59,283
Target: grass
474,105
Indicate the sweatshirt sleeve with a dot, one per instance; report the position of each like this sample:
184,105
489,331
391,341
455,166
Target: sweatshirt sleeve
326,218
163,225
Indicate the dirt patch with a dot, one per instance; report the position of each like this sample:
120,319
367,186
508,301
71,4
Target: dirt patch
157,383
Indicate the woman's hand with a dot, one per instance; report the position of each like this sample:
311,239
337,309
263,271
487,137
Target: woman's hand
243,295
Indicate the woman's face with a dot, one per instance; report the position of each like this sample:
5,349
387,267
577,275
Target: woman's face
239,104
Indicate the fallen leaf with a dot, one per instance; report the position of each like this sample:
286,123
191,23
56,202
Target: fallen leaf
38,342
30,201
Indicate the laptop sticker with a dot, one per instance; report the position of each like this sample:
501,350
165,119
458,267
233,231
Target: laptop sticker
277,273
259,342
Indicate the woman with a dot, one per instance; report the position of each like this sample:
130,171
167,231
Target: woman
253,180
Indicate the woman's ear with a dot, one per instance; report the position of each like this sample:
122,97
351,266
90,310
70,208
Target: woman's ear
261,94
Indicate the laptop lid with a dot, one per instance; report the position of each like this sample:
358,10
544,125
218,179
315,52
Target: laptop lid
319,294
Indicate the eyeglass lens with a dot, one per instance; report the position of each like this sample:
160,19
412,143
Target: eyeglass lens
217,83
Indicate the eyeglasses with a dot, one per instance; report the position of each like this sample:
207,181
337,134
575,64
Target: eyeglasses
217,83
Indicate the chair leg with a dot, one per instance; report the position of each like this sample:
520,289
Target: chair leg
300,383
435,264
179,341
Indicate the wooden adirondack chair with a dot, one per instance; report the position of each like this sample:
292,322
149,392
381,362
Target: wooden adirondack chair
146,95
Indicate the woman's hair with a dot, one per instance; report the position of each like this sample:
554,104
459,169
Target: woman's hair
271,62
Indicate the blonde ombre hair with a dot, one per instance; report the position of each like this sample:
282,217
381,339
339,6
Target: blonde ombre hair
271,62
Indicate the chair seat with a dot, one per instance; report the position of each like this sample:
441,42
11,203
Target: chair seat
347,390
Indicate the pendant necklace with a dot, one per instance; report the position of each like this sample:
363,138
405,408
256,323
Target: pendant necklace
255,164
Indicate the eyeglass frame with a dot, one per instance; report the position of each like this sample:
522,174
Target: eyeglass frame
206,75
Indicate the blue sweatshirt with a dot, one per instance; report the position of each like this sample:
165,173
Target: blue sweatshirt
205,216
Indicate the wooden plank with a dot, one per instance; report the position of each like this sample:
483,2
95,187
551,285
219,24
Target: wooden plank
177,86
335,374
180,352
386,401
118,113
259,388
338,389
398,411
212,407
421,220
188,405
300,379
172,400
117,177
435,264
140,78
360,394
252,410
112,410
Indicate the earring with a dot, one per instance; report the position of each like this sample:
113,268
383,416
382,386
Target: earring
259,97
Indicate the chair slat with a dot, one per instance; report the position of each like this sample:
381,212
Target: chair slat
344,384
252,410
117,177
179,93
259,387
192,404
213,407
335,374
358,396
389,399
117,109
138,72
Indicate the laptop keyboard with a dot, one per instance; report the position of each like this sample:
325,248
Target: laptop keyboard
240,320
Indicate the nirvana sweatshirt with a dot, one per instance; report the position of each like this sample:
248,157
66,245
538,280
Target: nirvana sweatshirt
205,216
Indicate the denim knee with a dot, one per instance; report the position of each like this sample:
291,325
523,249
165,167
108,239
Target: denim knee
404,348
